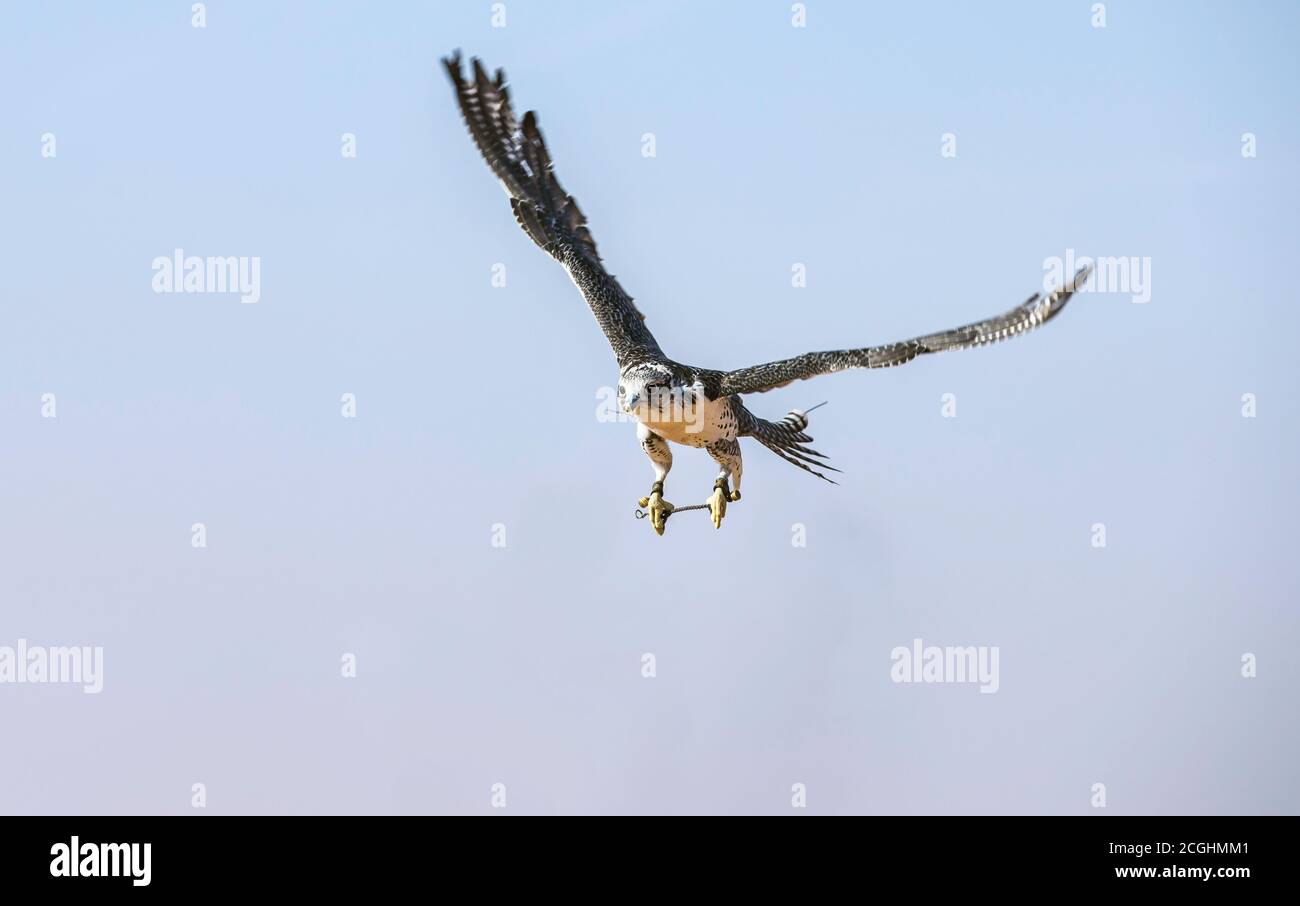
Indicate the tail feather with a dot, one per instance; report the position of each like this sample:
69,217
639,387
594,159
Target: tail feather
787,439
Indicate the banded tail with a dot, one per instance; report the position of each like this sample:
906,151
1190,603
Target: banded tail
786,438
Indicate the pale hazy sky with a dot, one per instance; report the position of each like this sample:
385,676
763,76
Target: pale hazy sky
476,406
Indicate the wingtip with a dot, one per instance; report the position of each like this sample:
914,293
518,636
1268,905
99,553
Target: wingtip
1081,276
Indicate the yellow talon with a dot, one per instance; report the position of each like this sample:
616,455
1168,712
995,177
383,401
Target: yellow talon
660,510
718,506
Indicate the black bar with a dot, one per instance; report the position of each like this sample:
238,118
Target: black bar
369,854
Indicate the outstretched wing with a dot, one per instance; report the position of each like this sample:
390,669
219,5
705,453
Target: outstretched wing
1037,310
517,155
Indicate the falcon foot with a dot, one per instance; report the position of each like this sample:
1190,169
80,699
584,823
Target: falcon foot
659,509
718,501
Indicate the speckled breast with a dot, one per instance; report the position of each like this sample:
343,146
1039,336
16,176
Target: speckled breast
691,420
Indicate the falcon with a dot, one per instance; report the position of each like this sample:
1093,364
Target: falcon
673,403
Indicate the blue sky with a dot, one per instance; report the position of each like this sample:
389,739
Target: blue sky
476,407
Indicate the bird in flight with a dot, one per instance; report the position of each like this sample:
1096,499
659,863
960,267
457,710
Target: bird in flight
672,402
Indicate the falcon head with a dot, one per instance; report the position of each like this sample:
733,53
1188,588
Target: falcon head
645,388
